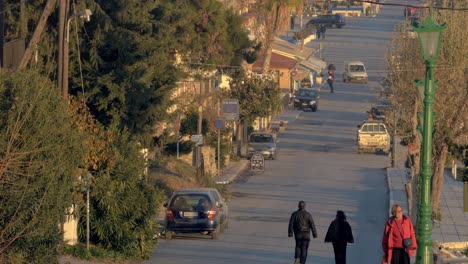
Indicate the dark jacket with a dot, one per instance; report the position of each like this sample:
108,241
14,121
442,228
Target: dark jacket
300,224
339,231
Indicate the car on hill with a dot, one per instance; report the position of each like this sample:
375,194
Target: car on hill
197,210
373,136
355,71
306,98
262,143
330,20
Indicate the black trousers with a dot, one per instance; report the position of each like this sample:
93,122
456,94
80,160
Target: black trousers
302,245
400,256
340,252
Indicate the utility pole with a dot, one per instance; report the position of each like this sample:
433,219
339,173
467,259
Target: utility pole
23,18
61,37
66,51
199,131
2,28
37,33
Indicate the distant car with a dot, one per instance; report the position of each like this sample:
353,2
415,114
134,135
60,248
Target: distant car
198,210
408,33
262,143
337,20
355,71
380,111
372,135
306,98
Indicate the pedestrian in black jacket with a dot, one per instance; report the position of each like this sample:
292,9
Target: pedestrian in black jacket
340,234
300,224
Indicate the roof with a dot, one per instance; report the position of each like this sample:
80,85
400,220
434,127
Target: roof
354,62
288,49
277,61
314,64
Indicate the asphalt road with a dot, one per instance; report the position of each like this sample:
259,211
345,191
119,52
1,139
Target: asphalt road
318,163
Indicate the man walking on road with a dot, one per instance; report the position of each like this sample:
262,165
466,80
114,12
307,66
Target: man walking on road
301,223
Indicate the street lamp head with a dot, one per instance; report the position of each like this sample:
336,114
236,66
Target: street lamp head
430,35
85,14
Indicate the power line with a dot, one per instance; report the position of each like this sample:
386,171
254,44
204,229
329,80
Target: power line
414,6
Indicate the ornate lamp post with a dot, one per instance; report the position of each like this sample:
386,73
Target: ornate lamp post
429,34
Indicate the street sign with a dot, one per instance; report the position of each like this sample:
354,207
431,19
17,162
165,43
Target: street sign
257,162
197,139
219,124
230,109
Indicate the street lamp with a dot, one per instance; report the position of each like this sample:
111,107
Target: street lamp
429,35
85,15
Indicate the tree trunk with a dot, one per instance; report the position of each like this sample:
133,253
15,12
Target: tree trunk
273,20
438,177
37,33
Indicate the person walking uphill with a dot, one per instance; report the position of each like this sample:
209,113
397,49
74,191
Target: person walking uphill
399,241
300,224
339,234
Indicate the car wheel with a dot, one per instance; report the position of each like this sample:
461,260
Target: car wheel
339,26
168,235
215,233
314,109
344,80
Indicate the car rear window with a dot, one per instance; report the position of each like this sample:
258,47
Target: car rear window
261,138
372,128
191,202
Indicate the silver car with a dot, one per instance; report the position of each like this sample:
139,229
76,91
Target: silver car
355,71
262,143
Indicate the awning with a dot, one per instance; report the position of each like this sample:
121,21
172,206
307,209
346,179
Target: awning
314,64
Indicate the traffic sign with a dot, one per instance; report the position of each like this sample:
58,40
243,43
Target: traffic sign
257,162
230,109
219,124
197,139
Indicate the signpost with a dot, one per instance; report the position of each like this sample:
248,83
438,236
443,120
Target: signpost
257,163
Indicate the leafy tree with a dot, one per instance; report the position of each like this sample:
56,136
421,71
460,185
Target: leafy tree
122,201
40,150
258,95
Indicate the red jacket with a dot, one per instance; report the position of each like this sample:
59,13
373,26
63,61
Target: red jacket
387,242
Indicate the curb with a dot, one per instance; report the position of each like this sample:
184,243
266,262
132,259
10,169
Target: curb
390,194
229,179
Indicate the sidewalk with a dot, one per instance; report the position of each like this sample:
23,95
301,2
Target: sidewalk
452,230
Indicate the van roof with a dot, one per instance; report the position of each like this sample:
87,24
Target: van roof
354,62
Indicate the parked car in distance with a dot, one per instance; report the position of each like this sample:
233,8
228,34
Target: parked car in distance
372,136
262,143
336,20
355,71
379,112
306,98
198,210
408,33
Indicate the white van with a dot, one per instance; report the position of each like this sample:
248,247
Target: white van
355,71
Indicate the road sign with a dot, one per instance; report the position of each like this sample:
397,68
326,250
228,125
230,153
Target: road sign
257,162
197,139
219,124
230,109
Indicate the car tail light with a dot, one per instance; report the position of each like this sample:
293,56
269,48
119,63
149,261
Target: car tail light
169,214
211,213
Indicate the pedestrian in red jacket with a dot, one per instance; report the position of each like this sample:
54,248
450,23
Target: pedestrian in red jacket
398,232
